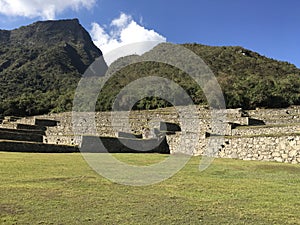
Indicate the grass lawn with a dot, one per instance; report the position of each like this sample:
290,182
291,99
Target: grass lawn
63,189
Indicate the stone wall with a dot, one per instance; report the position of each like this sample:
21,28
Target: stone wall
265,130
279,149
277,116
272,148
278,140
106,126
63,140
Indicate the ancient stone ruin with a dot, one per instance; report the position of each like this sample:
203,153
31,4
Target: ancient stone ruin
29,137
262,134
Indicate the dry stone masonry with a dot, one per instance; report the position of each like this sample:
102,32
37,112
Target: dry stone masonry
261,134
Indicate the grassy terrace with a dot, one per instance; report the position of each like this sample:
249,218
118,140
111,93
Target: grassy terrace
63,189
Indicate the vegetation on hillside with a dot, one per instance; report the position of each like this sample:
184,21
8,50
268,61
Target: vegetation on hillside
41,65
250,80
247,79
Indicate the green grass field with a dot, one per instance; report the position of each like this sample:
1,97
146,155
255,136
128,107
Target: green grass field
63,189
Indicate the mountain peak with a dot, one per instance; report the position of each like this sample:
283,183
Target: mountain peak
50,32
74,20
44,60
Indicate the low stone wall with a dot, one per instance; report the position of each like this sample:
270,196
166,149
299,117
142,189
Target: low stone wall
277,116
279,149
281,120
185,143
265,130
275,113
273,148
63,140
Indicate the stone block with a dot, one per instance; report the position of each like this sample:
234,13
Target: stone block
278,159
276,154
234,155
293,153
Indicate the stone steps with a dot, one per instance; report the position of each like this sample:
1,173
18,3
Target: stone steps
20,136
26,146
23,131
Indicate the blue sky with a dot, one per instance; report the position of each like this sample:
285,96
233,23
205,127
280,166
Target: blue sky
269,27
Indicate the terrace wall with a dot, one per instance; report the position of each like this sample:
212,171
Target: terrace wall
278,140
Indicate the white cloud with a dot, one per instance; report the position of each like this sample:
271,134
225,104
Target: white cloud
135,33
46,9
121,32
122,21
